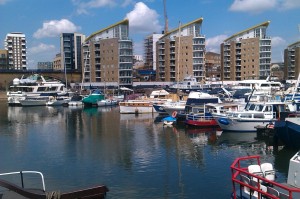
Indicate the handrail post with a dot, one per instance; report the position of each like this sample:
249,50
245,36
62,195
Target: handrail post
22,181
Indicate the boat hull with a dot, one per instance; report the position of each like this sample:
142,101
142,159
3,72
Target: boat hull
33,102
288,132
240,125
136,107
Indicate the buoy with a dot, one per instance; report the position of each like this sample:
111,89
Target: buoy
174,114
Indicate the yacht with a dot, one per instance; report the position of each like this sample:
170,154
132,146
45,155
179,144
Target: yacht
34,86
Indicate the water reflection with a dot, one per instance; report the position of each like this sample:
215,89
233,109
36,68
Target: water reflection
134,155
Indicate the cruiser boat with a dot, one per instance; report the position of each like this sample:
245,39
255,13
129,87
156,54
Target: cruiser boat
196,99
34,86
254,114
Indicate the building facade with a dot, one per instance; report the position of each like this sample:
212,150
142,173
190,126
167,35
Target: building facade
45,65
292,61
150,51
212,66
247,54
108,56
15,44
181,53
57,62
4,59
71,52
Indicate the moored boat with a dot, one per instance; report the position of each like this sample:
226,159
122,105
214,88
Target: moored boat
254,114
136,107
34,86
107,102
93,98
287,129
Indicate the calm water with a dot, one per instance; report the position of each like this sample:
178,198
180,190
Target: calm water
135,156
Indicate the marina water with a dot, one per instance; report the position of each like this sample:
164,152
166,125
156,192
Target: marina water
134,155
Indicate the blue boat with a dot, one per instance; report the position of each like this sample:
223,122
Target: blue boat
169,120
287,129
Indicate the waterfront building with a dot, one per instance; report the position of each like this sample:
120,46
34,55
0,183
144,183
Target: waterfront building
108,57
57,62
247,54
15,44
181,53
70,47
212,66
45,65
150,51
292,61
3,59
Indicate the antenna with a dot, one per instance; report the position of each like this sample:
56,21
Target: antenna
166,17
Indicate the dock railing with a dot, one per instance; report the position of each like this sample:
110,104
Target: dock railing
238,168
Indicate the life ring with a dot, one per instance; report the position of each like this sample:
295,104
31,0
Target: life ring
174,114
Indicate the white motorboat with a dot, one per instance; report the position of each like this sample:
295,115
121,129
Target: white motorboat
58,101
34,86
76,100
254,114
107,102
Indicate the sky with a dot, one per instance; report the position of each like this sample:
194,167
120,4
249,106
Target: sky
42,21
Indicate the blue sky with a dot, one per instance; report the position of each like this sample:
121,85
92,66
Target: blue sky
42,21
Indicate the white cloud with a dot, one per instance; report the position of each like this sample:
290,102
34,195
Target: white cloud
53,28
253,6
213,43
40,53
290,4
278,41
142,19
83,6
40,48
278,46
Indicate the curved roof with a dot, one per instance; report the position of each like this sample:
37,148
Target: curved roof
293,44
241,32
125,22
183,26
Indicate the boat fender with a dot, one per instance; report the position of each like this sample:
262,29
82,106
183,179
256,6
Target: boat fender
174,114
223,121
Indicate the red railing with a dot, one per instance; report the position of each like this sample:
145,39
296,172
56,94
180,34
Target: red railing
237,170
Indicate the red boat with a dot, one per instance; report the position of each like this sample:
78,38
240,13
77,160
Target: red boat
253,179
200,120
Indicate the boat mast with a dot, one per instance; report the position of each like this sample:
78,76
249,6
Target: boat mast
177,78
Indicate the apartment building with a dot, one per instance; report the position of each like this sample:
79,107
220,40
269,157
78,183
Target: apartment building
108,56
150,51
212,66
3,59
292,61
247,54
15,44
45,65
57,62
71,52
181,53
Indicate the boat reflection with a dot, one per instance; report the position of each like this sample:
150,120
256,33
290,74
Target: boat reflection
205,136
